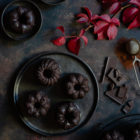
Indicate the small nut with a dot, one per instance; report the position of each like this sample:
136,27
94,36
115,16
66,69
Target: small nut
133,46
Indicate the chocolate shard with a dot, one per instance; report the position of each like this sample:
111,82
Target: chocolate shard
128,107
117,77
112,94
122,92
119,95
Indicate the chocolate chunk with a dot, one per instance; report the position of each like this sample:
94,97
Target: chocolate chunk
117,77
128,107
122,92
105,69
113,94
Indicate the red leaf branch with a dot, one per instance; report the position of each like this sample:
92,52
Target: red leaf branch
104,26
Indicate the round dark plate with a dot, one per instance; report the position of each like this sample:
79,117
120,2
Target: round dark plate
27,82
124,125
11,6
52,2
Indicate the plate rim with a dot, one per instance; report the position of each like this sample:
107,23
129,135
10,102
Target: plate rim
94,105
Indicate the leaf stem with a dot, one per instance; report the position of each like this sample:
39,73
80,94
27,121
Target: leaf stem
126,6
90,26
70,36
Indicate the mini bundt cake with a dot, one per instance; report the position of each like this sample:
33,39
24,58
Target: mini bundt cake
48,72
21,19
67,115
136,135
77,86
38,105
114,135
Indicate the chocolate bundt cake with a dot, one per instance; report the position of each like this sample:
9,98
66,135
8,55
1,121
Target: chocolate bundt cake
21,19
136,135
48,72
67,115
38,105
114,135
77,86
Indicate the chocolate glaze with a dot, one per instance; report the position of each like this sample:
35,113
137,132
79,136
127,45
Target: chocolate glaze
67,115
48,72
21,19
77,86
37,105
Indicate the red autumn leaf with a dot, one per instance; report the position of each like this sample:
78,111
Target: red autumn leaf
106,27
82,15
101,36
59,41
85,39
82,32
100,25
112,32
89,13
115,5
135,23
129,14
74,45
115,8
61,28
82,20
115,21
135,2
105,17
86,17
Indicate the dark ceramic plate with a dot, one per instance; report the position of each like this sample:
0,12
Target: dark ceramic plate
124,125
52,2
26,82
11,6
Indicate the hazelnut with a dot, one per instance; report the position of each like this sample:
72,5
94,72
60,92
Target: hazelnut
133,46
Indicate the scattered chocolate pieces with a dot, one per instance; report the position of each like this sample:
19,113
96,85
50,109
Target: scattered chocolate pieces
128,107
117,77
118,95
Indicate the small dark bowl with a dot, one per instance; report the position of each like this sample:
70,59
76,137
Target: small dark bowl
52,2
13,5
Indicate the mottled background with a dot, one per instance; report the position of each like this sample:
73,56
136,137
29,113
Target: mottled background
14,54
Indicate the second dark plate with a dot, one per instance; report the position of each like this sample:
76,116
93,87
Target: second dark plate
123,124
52,2
27,82
14,4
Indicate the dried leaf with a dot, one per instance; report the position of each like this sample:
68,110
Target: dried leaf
74,45
59,41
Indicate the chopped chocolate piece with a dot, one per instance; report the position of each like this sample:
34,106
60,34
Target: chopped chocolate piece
113,94
122,92
117,77
130,103
105,69
128,107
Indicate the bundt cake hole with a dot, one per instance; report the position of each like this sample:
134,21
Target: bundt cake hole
37,105
23,19
69,116
48,73
77,87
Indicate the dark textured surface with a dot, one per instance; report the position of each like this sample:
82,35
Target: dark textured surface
14,54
